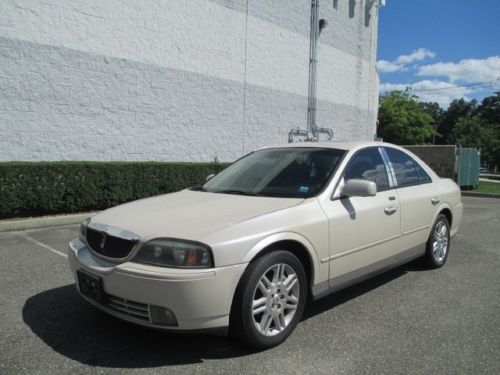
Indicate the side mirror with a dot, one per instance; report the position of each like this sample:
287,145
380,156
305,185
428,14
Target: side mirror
359,188
209,177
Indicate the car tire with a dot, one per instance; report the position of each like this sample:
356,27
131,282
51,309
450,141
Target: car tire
269,300
438,244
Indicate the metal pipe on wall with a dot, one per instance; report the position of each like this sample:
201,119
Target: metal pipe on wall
313,131
313,71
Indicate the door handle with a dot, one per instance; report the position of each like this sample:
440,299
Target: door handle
435,200
390,210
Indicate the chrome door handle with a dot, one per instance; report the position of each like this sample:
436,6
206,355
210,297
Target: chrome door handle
435,200
390,210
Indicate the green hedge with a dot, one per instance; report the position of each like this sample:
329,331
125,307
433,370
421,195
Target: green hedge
41,188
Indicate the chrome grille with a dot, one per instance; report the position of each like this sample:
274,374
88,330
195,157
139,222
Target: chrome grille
136,310
108,245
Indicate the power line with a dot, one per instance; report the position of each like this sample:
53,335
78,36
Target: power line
470,85
491,83
455,88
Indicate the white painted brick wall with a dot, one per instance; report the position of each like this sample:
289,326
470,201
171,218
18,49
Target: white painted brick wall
166,80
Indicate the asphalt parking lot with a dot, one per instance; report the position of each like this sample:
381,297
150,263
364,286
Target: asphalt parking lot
409,320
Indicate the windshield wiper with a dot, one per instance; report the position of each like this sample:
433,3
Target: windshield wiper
197,188
237,192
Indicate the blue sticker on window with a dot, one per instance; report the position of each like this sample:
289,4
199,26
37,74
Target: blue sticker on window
303,189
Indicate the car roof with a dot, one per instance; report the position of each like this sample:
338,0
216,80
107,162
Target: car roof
331,144
353,146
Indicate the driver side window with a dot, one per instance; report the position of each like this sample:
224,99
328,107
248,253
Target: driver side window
368,165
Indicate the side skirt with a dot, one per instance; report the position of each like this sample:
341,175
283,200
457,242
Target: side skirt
356,276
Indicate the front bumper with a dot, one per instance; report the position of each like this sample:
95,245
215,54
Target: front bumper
200,299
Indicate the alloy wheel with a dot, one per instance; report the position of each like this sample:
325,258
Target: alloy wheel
440,241
275,299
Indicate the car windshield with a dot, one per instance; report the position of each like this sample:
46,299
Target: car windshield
298,172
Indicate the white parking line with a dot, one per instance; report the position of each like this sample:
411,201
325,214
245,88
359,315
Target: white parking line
45,246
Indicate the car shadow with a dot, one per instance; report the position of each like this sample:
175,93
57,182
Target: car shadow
314,308
77,330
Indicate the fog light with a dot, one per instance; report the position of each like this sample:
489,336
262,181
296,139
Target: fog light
162,316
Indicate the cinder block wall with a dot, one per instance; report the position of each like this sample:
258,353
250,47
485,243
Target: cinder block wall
177,80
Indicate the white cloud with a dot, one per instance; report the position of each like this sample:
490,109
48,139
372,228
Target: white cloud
400,62
464,71
385,87
385,66
431,90
417,55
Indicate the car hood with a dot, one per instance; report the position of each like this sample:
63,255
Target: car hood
189,214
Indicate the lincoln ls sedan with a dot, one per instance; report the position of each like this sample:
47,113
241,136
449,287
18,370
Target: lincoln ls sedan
243,253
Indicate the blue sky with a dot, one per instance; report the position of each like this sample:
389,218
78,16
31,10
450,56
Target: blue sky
443,49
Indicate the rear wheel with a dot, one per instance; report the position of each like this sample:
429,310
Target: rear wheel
438,244
270,300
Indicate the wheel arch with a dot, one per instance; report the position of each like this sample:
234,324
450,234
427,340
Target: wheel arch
240,325
293,242
444,209
447,212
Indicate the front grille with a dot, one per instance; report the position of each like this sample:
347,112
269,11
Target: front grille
136,310
113,247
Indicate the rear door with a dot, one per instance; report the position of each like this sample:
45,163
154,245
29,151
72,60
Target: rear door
417,196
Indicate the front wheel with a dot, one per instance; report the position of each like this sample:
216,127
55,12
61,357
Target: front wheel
438,244
270,300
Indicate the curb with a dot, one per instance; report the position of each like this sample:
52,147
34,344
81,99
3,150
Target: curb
42,222
481,195
489,180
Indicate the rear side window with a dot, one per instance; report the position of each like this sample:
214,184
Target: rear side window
367,164
408,172
423,177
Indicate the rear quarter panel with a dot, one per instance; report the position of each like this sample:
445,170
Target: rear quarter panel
451,198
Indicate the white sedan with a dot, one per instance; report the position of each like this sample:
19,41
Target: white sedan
241,253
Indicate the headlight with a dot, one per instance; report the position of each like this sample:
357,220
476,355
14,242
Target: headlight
167,252
83,230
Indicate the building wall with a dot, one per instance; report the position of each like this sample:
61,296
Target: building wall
177,80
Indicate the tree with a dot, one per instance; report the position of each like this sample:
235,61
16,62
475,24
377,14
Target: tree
489,112
458,108
489,109
471,132
436,112
403,120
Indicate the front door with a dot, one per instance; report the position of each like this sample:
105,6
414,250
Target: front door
364,231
